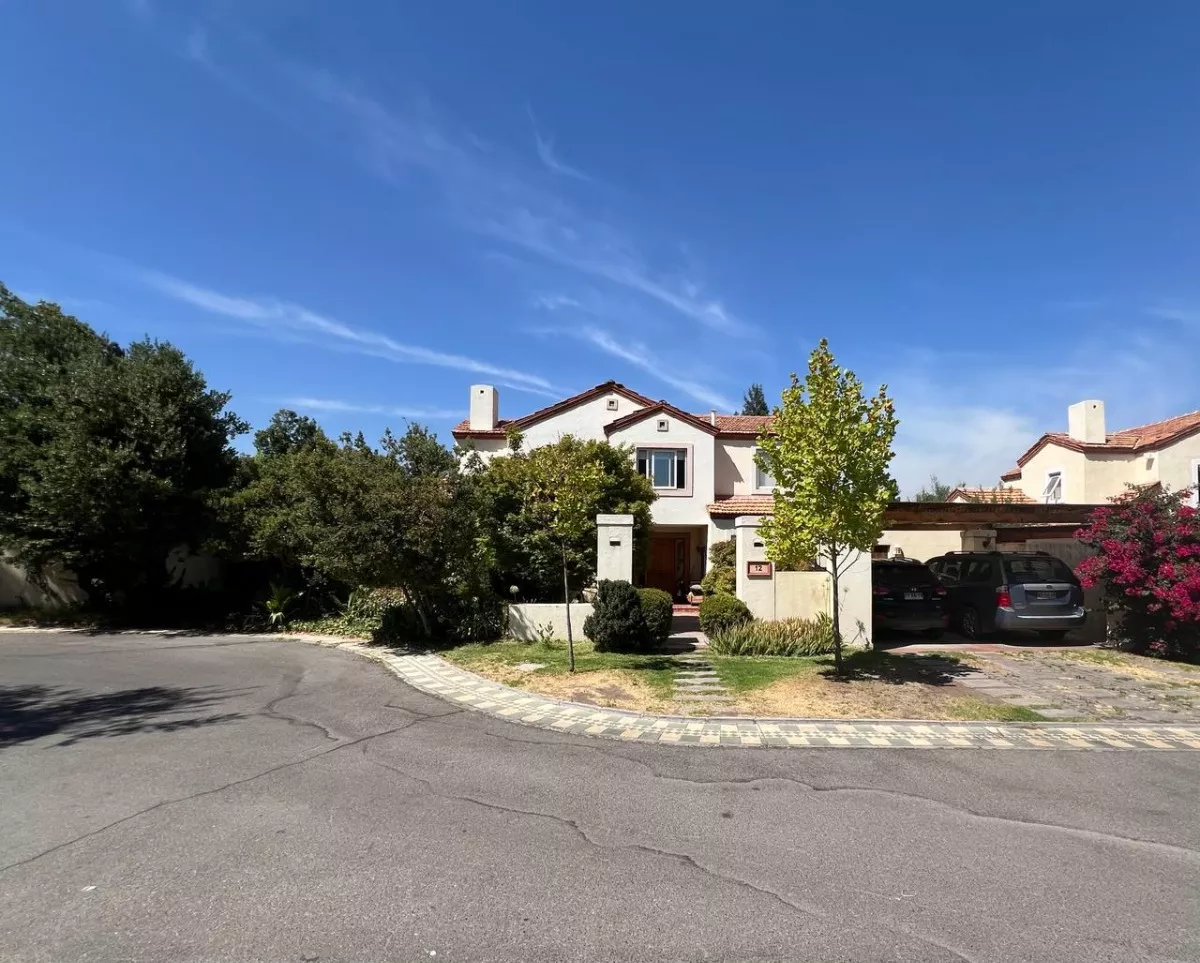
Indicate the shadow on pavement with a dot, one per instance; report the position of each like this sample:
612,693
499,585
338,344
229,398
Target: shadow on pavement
878,666
29,712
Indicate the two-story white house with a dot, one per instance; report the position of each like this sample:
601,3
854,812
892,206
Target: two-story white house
1087,464
701,465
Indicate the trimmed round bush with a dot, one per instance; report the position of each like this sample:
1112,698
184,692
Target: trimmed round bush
616,623
658,610
721,580
721,612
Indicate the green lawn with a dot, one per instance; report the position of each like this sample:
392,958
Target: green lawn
657,671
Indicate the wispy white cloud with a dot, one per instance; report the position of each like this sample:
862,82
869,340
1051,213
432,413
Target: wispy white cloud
545,152
337,406
641,357
274,315
1182,315
487,191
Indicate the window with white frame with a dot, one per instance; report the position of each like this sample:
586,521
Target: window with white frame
665,467
1053,492
763,480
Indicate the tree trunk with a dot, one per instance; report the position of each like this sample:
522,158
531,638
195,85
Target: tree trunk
837,613
567,600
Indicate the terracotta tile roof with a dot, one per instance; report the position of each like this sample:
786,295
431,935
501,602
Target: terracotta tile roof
741,424
1007,496
463,428
1149,437
734,505
703,422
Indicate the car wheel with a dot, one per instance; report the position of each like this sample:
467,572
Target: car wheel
1052,635
934,634
968,622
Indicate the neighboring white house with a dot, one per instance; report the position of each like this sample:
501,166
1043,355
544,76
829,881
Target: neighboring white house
701,465
1089,465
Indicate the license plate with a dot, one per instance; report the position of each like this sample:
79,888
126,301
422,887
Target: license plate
914,596
1045,595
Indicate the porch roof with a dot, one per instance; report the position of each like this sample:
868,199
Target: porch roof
917,515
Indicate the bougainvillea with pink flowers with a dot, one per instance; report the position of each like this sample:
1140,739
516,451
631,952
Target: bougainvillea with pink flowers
1147,545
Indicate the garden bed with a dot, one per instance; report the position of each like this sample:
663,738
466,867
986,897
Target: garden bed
878,686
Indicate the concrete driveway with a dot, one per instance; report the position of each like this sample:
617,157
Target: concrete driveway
201,798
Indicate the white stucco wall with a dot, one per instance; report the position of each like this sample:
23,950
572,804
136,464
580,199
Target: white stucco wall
1176,464
671,508
1053,458
583,421
801,595
525,621
614,548
922,545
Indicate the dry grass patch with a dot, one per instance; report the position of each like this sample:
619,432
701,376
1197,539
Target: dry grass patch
815,696
611,689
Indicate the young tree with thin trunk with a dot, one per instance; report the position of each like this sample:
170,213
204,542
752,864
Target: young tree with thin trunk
828,450
566,483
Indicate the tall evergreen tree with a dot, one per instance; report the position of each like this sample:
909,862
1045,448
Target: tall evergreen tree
754,402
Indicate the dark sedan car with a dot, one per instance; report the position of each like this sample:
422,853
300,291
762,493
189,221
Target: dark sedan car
908,596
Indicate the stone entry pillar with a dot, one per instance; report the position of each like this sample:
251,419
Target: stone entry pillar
757,593
614,548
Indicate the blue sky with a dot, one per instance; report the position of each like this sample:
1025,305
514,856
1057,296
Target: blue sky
358,210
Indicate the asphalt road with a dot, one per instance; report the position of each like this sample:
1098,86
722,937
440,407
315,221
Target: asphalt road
197,798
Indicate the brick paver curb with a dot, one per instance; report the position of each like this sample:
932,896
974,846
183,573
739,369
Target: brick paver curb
437,677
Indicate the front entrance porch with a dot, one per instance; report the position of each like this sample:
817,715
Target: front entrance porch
677,558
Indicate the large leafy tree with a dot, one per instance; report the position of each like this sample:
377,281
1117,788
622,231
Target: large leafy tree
401,516
287,432
754,402
522,490
828,450
111,458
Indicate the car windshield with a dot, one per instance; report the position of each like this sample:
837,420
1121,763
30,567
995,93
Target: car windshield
1043,568
902,575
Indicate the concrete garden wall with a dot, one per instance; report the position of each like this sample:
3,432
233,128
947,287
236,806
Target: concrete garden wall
526,620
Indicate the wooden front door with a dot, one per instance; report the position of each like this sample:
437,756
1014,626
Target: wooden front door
668,562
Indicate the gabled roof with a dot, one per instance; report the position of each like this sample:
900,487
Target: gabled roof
661,408
1151,437
1007,496
504,425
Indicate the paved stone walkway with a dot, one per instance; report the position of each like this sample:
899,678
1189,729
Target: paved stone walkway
697,680
1079,689
436,676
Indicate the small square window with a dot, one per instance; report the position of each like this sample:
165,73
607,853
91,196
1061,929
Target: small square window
612,404
663,424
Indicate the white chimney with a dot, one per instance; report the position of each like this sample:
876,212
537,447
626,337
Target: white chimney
1085,422
712,417
485,408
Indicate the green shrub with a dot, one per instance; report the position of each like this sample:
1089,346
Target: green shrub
721,612
658,611
723,553
617,623
787,637
721,580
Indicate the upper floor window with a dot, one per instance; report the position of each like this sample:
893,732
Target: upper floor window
665,467
1053,492
762,479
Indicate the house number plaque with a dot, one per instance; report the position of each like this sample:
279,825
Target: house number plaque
758,569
